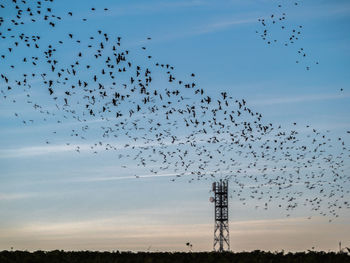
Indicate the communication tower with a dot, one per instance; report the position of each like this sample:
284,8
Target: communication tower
221,227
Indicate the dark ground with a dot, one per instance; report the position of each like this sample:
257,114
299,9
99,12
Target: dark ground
142,257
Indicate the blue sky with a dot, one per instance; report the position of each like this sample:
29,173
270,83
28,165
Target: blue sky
54,198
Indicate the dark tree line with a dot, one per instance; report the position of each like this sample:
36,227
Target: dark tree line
58,256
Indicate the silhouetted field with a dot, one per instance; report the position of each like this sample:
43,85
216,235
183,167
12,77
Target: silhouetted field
57,256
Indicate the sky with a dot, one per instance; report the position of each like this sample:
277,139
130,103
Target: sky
52,197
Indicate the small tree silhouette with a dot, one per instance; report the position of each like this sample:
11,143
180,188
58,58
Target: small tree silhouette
189,245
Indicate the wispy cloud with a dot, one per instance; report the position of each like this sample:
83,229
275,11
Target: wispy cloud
38,150
87,147
32,151
203,29
145,176
117,178
222,25
15,196
299,99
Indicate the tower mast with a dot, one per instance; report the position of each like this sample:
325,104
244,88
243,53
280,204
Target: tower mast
221,227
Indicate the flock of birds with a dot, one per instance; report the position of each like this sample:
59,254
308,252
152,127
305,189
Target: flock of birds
275,30
163,123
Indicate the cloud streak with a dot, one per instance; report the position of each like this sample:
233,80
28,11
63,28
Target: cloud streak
15,196
299,99
203,29
38,150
